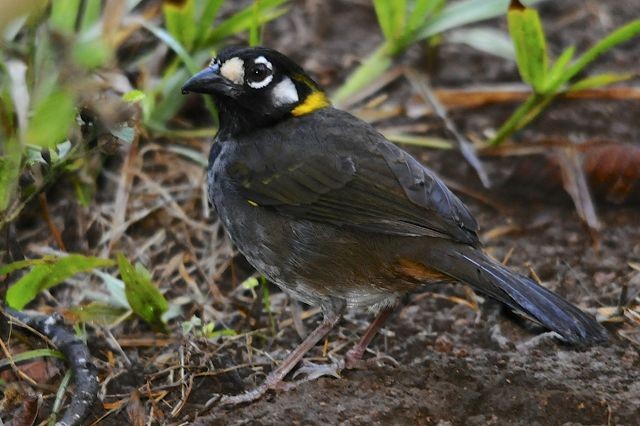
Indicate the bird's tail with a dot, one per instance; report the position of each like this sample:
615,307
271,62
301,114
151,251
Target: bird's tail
526,296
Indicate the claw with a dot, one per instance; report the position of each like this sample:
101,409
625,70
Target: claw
357,363
312,371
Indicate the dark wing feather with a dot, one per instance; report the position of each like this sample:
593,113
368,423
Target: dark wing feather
371,185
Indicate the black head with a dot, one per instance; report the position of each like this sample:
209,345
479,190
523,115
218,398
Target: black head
255,87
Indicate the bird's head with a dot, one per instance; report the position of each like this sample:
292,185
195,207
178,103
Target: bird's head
256,87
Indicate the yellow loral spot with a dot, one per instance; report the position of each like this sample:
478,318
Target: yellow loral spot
315,101
252,203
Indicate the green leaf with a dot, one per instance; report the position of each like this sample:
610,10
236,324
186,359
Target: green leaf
51,272
173,44
421,11
254,30
530,45
51,120
133,96
143,296
461,13
21,264
599,80
64,14
384,13
250,283
207,15
179,18
30,355
372,67
485,39
555,74
242,21
90,14
100,313
622,34
452,16
91,53
9,171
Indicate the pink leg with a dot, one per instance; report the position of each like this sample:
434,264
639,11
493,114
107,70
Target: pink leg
355,354
274,380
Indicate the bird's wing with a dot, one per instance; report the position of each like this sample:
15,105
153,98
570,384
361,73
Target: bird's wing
377,187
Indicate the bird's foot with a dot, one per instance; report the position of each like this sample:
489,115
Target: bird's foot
311,371
249,396
353,361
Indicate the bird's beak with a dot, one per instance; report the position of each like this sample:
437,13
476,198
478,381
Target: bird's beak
208,81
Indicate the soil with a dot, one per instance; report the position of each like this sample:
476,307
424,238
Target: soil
455,365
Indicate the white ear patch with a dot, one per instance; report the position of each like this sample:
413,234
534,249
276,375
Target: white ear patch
285,92
233,69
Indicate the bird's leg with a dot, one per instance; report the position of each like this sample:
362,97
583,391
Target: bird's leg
353,358
274,380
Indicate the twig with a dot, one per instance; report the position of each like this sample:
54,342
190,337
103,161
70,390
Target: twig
47,218
464,145
77,356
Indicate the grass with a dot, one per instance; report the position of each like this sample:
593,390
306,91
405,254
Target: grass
549,80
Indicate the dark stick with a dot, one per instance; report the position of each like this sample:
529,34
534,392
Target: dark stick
78,358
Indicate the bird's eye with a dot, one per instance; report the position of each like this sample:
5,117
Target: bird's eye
259,76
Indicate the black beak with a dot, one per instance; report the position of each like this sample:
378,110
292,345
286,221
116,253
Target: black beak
208,81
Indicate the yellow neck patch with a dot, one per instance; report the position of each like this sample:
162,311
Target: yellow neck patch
315,101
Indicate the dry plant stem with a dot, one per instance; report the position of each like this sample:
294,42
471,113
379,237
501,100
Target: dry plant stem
77,356
575,183
47,218
273,380
466,148
122,196
14,367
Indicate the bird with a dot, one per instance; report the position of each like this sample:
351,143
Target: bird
339,217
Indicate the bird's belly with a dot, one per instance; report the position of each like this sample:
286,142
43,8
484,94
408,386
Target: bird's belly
315,263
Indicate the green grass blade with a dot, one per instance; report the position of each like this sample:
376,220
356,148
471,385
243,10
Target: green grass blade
384,13
207,15
254,30
599,80
52,117
372,67
91,14
179,19
484,39
49,274
242,21
31,355
57,403
530,46
173,44
554,75
622,34
21,264
459,14
63,15
9,171
421,11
